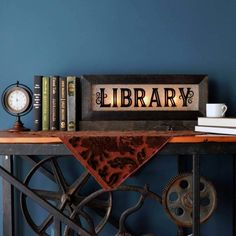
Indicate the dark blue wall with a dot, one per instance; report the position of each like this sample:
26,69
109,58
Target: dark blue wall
126,36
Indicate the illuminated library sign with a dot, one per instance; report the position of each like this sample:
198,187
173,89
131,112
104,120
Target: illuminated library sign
143,97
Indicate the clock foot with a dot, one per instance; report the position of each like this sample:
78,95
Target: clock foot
18,126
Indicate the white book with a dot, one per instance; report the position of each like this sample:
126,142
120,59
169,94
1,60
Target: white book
215,130
219,122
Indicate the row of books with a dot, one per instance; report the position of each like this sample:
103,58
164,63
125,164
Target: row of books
54,103
216,125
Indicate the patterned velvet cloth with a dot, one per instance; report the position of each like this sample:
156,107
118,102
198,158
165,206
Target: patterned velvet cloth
111,159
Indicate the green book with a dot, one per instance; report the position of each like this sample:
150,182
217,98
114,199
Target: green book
45,103
63,103
71,103
54,103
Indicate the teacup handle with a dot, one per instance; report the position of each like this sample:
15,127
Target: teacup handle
224,109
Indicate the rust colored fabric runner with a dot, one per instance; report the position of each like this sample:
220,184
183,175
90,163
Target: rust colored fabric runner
112,159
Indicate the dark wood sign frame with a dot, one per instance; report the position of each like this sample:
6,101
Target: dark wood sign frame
87,81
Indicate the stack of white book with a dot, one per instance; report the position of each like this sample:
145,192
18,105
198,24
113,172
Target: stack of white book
216,125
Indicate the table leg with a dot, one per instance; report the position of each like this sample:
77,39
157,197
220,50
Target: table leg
234,195
50,208
8,198
196,195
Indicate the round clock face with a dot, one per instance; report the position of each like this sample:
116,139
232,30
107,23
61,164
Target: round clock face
16,100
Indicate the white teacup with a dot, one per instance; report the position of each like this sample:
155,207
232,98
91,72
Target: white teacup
215,109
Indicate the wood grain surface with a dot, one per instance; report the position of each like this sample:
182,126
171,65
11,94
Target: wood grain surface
54,137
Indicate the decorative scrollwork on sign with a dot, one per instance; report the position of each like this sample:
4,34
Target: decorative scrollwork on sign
190,97
187,98
99,98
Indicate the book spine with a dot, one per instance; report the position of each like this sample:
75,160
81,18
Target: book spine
216,130
45,103
71,103
62,104
37,103
54,103
217,122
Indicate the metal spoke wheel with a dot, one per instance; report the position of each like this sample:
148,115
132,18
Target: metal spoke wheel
64,197
177,200
144,193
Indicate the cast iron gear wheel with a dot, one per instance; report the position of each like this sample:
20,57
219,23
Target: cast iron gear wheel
177,199
65,197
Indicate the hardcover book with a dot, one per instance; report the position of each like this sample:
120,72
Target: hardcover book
215,130
37,103
220,122
54,103
62,104
71,103
45,103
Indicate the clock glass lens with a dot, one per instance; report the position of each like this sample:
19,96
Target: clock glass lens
17,100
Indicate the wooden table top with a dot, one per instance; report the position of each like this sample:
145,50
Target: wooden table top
54,136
